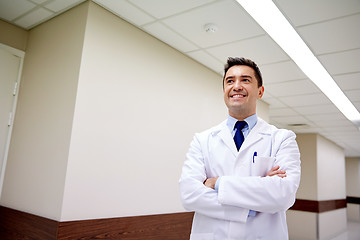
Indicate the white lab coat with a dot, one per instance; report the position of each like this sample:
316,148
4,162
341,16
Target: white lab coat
224,215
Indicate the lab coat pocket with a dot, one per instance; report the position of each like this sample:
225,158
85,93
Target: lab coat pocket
261,165
202,236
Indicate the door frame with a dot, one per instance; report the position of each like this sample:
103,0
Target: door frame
21,55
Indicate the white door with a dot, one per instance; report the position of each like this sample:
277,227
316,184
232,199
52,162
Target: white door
10,70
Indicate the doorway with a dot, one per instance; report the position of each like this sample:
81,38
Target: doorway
11,62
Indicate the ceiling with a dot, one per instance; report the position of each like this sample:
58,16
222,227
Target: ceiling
331,29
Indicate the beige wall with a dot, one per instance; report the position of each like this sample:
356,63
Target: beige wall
262,110
308,155
353,177
353,187
13,36
36,166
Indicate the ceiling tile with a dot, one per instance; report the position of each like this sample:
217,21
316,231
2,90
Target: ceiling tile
305,100
273,103
324,117
357,105
288,120
166,35
300,130
33,18
9,10
296,87
309,11
345,131
209,61
281,112
60,5
191,24
325,37
348,81
317,109
164,8
353,95
39,1
126,11
343,62
281,72
253,49
333,123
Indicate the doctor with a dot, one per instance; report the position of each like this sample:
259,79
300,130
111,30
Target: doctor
241,193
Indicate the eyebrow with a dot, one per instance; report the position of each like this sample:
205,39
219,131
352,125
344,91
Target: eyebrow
242,76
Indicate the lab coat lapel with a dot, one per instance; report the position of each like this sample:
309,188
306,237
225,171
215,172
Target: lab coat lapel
226,137
255,135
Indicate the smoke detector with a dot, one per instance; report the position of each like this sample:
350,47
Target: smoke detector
210,28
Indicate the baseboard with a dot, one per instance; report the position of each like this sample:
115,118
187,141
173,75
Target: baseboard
151,227
353,200
318,206
16,225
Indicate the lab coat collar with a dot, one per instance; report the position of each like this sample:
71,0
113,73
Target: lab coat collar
260,130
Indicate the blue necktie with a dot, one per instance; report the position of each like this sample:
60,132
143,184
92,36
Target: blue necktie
239,137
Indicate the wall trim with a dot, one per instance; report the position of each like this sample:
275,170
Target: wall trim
15,224
354,200
318,206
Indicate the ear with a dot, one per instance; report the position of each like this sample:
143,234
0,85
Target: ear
260,92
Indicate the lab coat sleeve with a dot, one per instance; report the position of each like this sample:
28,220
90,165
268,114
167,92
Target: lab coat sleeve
267,194
196,196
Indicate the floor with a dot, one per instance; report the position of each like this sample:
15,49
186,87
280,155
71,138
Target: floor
352,233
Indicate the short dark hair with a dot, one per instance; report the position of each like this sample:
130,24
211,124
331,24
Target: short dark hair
233,61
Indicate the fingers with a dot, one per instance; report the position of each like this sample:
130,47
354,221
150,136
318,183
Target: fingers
210,182
275,168
275,171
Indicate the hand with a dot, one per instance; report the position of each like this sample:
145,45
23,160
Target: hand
210,182
275,171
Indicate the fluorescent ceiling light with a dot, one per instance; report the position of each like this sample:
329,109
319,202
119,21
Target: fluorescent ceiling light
280,30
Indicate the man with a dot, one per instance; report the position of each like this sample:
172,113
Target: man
241,193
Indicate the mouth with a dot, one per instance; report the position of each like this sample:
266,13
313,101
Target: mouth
238,96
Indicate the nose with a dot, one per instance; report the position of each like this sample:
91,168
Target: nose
238,85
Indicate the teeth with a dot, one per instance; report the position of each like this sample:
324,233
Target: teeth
238,95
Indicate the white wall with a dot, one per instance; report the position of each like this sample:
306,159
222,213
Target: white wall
331,170
139,102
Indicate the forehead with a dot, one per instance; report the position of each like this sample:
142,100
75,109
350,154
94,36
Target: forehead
239,70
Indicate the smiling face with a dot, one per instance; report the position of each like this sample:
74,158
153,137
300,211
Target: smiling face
241,91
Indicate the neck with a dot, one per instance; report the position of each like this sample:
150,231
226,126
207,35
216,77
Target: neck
241,116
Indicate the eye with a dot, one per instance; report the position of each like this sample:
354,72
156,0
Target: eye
228,81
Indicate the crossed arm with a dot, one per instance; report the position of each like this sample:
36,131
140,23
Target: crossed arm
275,171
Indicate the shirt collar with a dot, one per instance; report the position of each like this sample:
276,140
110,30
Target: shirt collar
251,122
